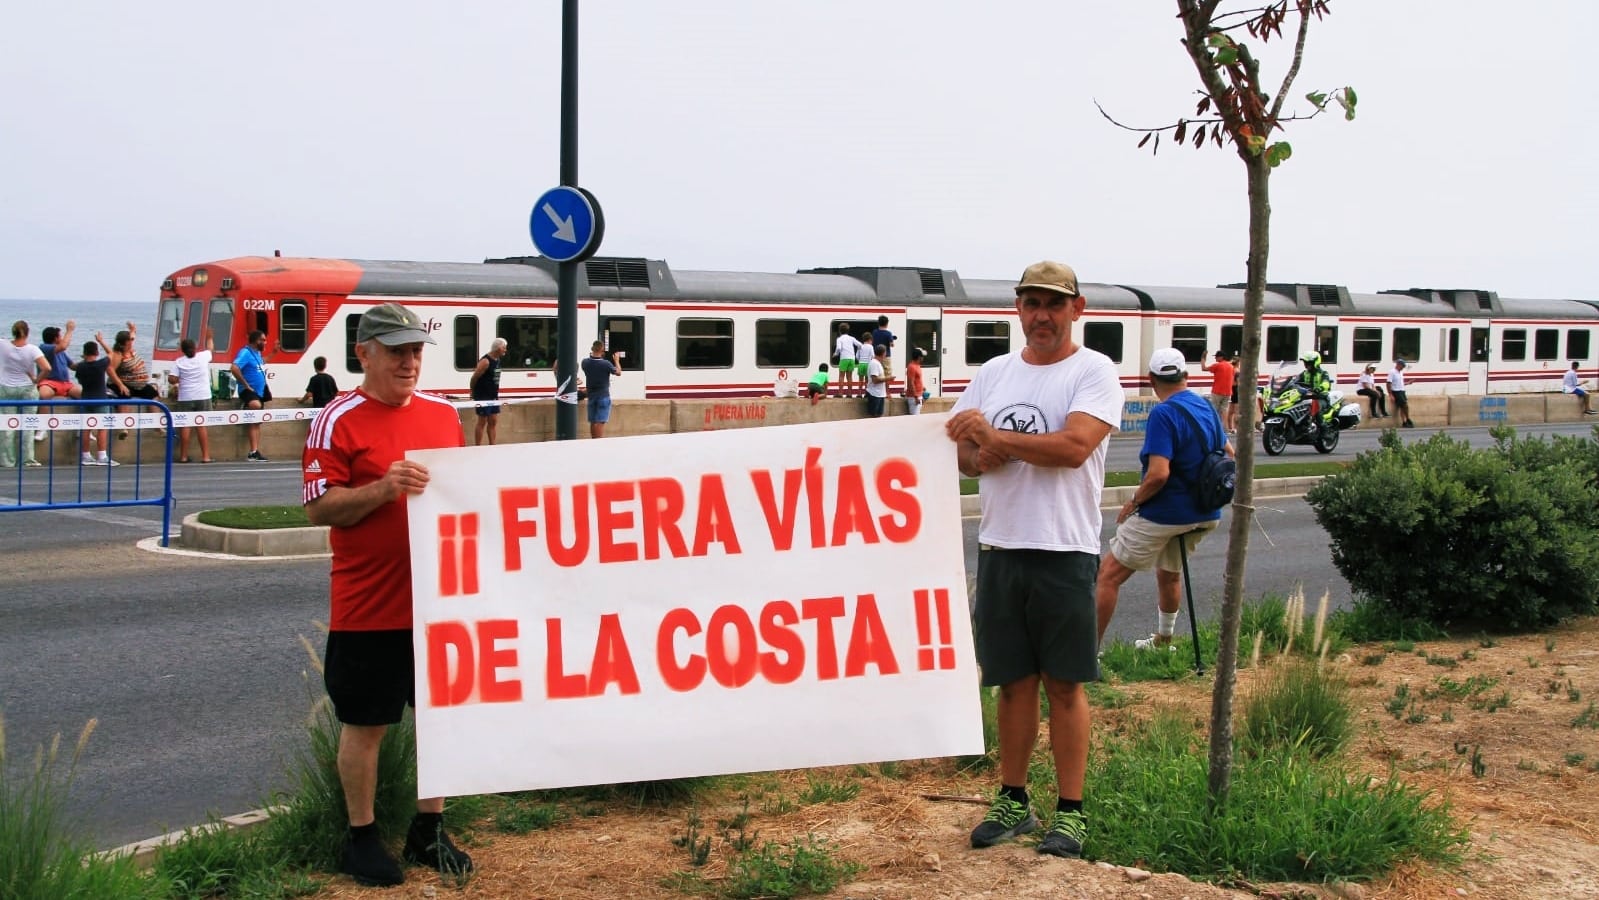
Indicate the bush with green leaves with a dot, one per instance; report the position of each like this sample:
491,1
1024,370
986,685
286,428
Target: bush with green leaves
1437,531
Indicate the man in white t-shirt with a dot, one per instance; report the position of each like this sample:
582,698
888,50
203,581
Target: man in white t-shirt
1396,390
1572,384
877,382
191,372
1033,425
22,366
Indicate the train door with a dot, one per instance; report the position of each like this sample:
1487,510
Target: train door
924,329
622,330
1477,368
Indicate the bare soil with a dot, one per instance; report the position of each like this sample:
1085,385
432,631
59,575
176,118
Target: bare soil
1530,799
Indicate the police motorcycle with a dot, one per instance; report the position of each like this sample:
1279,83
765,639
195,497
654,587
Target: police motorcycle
1294,415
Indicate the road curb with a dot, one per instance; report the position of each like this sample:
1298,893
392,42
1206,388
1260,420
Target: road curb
310,541
144,852
972,504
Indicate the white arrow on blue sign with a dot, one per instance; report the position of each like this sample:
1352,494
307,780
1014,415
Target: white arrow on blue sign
566,224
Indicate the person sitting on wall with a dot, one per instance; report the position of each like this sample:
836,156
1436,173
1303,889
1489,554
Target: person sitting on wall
1571,384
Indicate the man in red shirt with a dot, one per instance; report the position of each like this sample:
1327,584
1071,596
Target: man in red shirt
356,481
1221,393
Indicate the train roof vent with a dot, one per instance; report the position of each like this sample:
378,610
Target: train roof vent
1322,294
932,281
617,272
1485,299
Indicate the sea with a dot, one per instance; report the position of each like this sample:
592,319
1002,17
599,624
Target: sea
105,316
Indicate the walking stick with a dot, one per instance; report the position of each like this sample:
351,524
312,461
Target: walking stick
1188,588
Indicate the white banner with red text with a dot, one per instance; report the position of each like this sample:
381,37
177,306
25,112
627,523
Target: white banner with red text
664,606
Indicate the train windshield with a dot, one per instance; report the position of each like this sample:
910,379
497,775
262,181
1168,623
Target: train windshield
169,324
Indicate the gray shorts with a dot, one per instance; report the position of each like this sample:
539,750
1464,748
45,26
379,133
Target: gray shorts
1035,614
192,405
1139,543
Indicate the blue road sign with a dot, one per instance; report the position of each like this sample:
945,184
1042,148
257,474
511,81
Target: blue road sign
566,224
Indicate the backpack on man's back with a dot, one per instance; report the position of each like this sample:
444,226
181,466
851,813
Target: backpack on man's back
1216,476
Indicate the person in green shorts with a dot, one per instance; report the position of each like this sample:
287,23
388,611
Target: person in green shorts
817,386
845,348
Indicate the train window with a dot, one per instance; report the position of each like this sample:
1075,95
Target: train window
352,323
986,340
625,334
1454,345
1479,345
1546,344
857,328
1191,339
1282,343
1232,339
529,342
926,334
1577,344
1407,344
1327,342
169,325
1514,344
1368,345
191,322
704,343
465,343
782,342
293,326
1106,337
221,321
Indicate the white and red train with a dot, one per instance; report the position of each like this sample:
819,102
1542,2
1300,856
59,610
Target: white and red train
734,334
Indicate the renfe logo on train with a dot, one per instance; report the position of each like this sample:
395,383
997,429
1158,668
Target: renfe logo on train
781,598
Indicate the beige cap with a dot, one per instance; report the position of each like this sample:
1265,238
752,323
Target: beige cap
1050,276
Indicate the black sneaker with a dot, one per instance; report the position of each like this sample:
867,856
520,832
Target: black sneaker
255,455
1409,424
434,849
1006,818
366,861
1065,835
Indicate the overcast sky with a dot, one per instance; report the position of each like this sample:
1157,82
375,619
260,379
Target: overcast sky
137,138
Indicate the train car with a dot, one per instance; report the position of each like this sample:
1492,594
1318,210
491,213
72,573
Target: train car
689,334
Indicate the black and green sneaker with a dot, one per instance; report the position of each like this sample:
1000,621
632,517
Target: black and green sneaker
1065,835
1006,819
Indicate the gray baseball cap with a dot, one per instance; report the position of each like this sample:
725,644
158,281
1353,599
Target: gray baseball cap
392,325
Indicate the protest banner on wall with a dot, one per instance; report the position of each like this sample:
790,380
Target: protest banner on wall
662,606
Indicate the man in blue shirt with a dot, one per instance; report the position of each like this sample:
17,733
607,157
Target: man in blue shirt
249,368
597,372
1181,429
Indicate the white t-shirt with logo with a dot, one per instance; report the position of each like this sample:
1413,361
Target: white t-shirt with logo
194,376
1042,507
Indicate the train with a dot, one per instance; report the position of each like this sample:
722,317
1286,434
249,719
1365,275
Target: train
716,334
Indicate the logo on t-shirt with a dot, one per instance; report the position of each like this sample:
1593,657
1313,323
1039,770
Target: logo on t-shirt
315,468
1021,417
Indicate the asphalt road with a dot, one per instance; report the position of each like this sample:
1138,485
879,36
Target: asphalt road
195,670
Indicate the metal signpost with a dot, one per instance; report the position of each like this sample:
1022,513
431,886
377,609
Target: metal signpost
566,226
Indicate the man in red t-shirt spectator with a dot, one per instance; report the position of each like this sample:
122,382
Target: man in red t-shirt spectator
356,481
1222,374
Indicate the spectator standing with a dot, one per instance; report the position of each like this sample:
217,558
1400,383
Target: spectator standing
191,372
22,367
1033,425
816,388
1222,380
356,481
598,372
93,372
485,385
321,389
845,349
1368,388
882,336
877,382
1396,389
915,387
249,369
1162,512
1572,384
865,352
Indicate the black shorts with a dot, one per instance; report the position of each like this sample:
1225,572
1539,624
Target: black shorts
370,676
247,396
874,405
1035,614
144,391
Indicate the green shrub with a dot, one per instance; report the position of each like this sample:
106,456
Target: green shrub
1443,533
1297,705
796,869
41,853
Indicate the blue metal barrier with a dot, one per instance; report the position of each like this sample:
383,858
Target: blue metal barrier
43,485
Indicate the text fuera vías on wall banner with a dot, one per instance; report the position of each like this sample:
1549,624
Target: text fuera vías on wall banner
593,612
